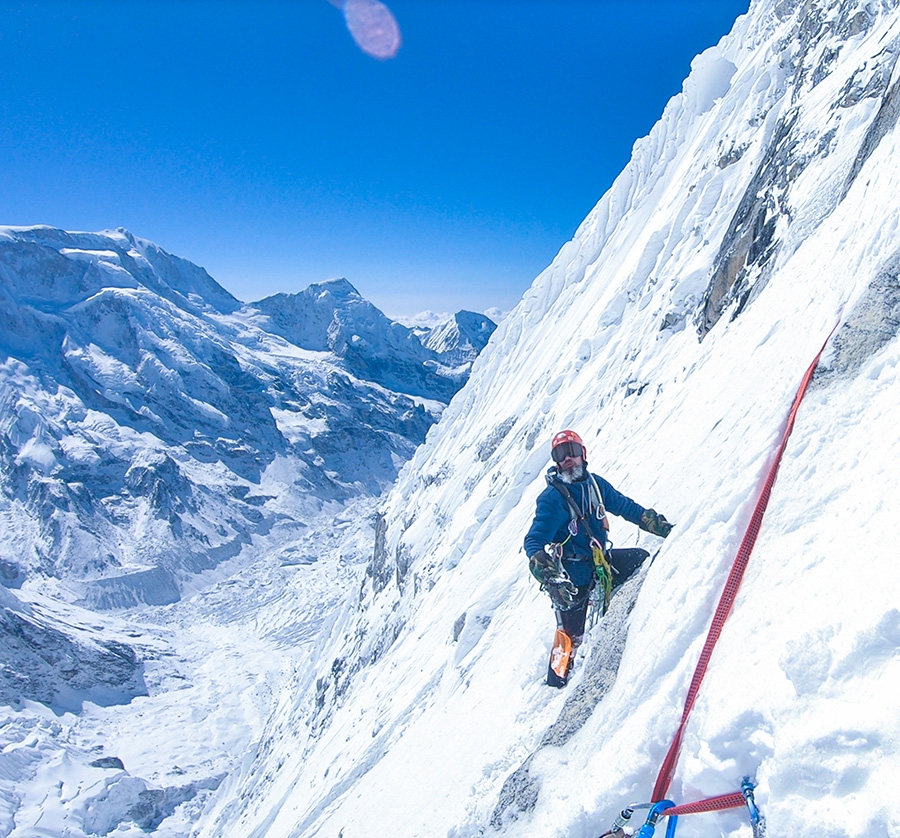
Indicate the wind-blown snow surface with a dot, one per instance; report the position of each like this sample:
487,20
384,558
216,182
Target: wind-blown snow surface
763,208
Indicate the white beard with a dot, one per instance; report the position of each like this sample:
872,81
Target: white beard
574,474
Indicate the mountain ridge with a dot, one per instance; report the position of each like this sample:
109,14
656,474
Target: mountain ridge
140,396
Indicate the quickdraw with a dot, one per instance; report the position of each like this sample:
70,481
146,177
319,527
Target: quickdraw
668,809
604,573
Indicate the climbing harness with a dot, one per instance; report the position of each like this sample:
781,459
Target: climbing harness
595,502
663,807
603,571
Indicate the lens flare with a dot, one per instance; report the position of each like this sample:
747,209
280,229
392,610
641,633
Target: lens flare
372,25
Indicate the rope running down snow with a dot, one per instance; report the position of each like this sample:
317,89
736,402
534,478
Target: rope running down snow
667,770
726,601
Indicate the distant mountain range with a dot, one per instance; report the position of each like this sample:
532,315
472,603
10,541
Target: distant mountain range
151,424
332,317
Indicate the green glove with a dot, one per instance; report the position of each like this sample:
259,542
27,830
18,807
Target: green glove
554,580
542,566
654,523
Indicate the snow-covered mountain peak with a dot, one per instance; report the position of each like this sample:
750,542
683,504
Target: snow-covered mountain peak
67,267
340,288
325,316
466,333
332,316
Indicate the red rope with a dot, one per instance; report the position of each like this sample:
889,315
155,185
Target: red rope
712,804
667,770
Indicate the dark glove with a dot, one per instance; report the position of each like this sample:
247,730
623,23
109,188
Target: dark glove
654,523
542,566
562,592
553,579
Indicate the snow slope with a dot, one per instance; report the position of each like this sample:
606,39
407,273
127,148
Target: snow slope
672,333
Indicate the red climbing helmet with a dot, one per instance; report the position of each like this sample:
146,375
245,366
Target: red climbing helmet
567,444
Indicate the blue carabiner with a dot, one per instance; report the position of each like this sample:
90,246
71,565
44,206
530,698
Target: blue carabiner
649,828
747,790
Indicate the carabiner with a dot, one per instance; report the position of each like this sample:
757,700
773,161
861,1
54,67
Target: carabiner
656,811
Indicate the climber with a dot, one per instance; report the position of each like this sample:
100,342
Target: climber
566,544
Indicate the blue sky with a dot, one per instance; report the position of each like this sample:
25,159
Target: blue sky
257,140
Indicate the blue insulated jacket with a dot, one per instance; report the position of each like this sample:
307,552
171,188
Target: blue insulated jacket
552,517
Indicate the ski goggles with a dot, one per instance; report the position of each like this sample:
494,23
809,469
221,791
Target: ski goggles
566,449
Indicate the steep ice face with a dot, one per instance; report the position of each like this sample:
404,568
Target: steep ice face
822,96
671,332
